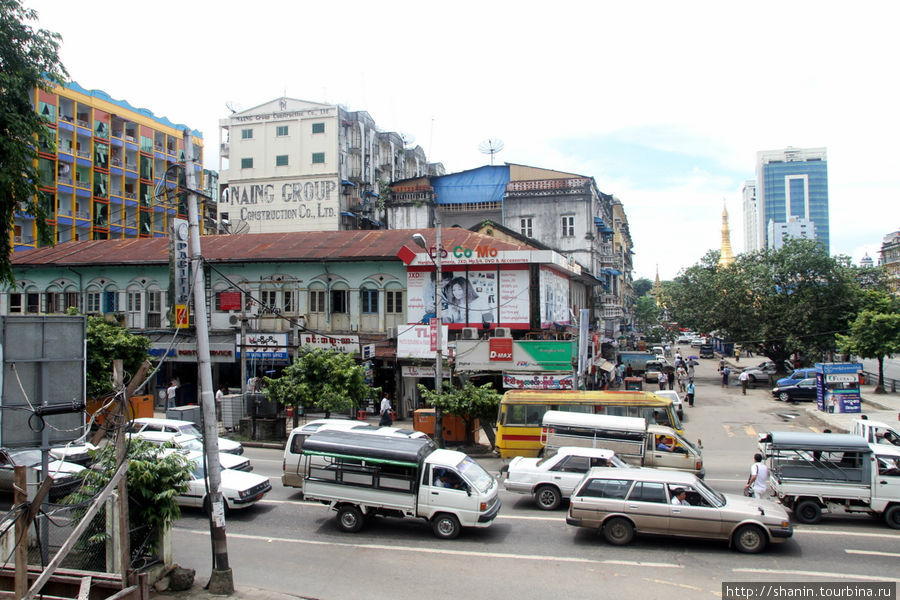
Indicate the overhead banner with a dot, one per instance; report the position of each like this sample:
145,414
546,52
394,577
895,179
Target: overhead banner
537,381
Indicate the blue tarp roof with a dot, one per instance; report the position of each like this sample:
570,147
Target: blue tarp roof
602,227
484,184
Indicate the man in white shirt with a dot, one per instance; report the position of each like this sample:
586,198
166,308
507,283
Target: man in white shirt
385,411
679,497
744,378
759,477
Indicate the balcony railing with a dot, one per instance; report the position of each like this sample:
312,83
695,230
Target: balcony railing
82,214
131,195
66,180
116,162
84,185
83,153
83,123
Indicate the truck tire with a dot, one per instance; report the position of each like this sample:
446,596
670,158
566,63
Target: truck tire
892,516
547,497
445,526
349,518
749,539
618,531
808,511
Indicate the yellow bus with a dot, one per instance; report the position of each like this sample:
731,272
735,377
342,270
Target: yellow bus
521,412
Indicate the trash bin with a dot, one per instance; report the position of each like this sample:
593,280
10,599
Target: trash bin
361,415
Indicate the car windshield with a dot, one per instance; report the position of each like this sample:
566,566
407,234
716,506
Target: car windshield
198,470
717,498
26,456
190,429
475,474
191,444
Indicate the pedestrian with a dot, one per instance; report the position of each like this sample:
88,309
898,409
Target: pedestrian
737,353
386,420
690,393
690,370
744,378
171,391
759,477
629,371
671,379
725,373
220,394
681,375
662,380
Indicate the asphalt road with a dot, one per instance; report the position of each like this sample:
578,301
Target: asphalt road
291,546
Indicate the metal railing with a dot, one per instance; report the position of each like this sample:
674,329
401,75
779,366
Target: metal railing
891,385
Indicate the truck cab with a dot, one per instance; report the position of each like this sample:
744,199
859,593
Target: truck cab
876,432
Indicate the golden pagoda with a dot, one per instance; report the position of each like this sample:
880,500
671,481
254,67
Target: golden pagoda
656,291
726,256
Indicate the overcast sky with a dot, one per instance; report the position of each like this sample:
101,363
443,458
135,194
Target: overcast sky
664,103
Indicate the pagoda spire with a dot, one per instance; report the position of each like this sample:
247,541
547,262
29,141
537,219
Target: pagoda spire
726,256
657,291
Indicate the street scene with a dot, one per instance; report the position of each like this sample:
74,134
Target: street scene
303,300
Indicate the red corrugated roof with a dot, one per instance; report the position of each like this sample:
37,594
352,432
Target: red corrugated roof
259,247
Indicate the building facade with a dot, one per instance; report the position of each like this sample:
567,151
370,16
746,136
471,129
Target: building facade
751,216
110,174
293,165
795,227
890,259
792,183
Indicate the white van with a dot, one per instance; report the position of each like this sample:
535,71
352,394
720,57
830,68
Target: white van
630,438
876,432
292,467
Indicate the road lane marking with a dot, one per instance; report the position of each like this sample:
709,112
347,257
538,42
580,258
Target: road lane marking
872,552
750,431
824,574
892,536
728,430
681,585
537,557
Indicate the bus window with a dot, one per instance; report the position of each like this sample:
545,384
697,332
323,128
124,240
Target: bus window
575,408
525,414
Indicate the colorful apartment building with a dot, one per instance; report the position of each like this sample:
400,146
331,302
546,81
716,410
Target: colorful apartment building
104,179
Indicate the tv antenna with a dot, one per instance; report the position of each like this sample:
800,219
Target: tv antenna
491,146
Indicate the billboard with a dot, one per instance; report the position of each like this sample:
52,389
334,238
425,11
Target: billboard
415,342
471,297
554,298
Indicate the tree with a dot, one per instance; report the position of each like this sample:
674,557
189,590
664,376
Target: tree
325,379
642,286
646,313
107,342
793,299
28,60
469,402
875,333
154,480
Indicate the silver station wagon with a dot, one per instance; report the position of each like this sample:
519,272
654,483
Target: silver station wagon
621,502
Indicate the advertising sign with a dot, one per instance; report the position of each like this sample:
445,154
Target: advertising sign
264,346
500,349
554,299
187,352
181,272
471,298
229,301
347,344
528,356
421,372
307,204
415,342
538,381
837,387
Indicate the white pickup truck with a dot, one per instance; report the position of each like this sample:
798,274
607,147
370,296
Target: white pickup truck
360,475
876,432
816,473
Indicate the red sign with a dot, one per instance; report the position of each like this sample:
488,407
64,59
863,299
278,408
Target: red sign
500,349
432,334
229,301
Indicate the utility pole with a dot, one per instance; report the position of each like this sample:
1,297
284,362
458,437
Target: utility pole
220,581
439,354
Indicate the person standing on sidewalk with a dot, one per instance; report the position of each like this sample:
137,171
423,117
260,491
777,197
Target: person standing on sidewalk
690,392
385,410
744,378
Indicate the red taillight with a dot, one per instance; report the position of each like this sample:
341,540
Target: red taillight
283,465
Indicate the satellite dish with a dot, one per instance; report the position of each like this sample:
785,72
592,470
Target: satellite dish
236,227
491,146
407,138
230,105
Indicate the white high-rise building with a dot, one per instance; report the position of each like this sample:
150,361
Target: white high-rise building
796,227
751,219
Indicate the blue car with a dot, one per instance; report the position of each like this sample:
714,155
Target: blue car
796,376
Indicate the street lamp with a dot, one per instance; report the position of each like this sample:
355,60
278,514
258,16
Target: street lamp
419,239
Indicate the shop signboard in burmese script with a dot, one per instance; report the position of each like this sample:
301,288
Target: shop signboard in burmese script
347,344
537,381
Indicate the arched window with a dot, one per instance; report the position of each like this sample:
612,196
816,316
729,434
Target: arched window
368,299
53,300
92,297
133,307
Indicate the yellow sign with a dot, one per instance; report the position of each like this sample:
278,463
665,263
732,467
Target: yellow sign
182,316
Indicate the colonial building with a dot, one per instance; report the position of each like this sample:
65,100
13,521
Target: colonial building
282,291
293,165
890,259
110,174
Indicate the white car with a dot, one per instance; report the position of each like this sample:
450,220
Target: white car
191,443
552,478
239,488
79,454
677,402
145,424
66,475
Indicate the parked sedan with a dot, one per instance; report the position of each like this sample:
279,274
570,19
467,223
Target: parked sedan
65,474
622,502
239,488
552,478
145,424
800,390
191,443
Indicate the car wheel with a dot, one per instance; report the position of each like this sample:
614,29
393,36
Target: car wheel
349,518
751,380
618,531
808,512
892,516
750,539
547,497
784,397
445,526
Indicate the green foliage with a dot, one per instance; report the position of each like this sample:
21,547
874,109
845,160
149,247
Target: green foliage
324,379
642,286
28,59
107,342
153,480
469,402
646,313
792,299
874,333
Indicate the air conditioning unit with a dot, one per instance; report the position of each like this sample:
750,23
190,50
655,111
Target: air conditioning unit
502,332
470,333
234,320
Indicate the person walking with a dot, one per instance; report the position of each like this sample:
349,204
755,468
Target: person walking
690,393
758,482
662,380
385,410
171,392
725,373
744,378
